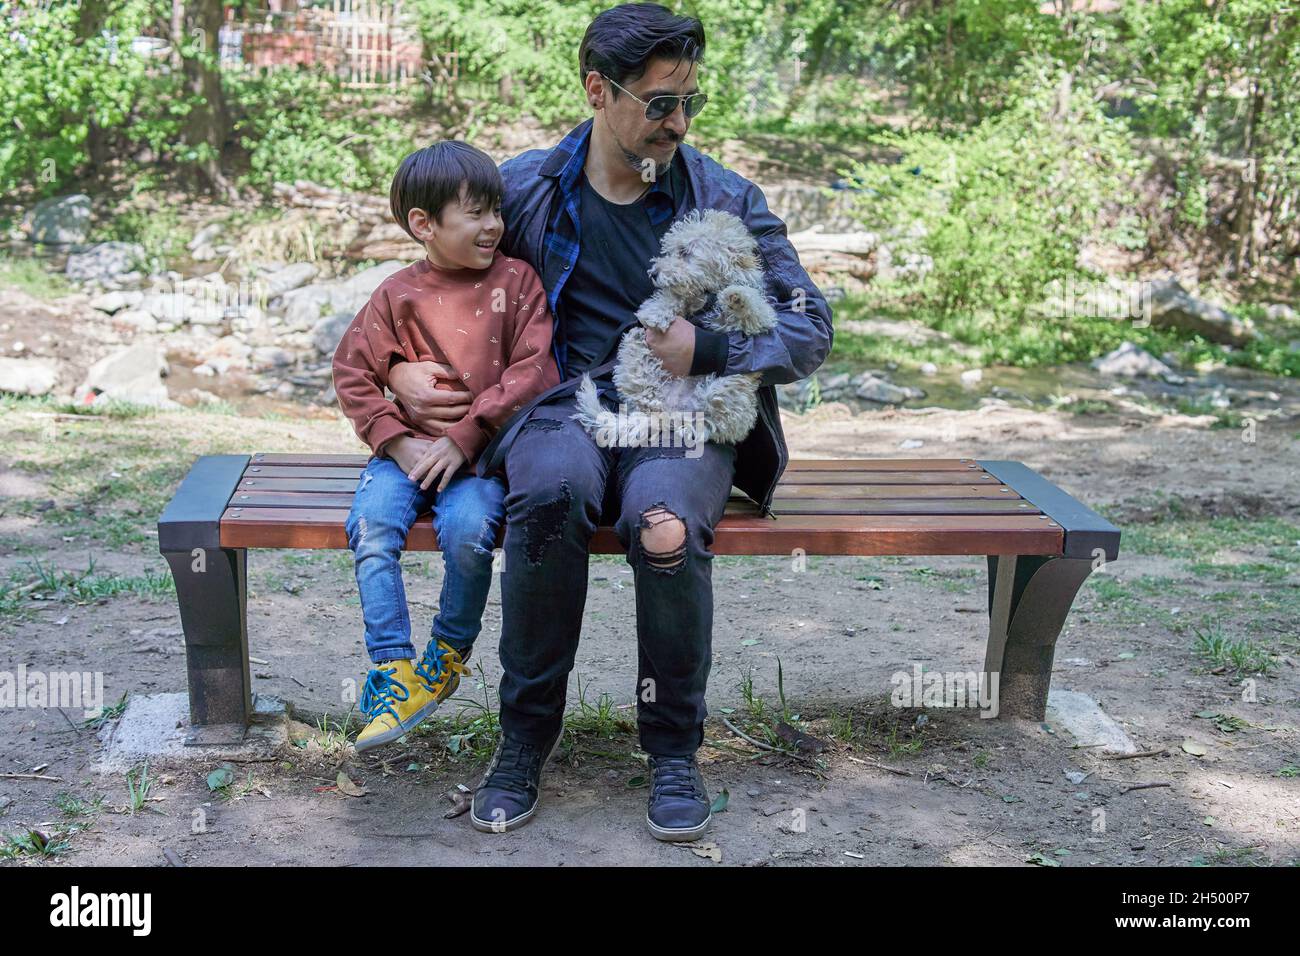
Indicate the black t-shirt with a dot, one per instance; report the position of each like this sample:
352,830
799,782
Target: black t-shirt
610,279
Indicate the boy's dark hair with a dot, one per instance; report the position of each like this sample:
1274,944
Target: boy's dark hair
430,178
622,40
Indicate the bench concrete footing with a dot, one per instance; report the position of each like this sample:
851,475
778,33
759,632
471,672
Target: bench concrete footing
1029,599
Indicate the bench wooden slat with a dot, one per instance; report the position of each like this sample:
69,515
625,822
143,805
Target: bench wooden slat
736,505
982,490
304,460
955,494
735,534
348,481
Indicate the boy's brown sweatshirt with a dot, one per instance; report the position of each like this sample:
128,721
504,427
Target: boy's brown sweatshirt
491,325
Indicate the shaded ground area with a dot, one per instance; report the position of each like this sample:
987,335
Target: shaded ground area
1196,619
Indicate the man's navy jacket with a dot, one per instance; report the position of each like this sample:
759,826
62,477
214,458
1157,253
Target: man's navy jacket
539,206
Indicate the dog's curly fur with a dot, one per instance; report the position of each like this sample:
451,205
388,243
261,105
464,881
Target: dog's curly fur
707,254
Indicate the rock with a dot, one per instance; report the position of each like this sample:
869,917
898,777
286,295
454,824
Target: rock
61,220
910,443
1173,307
929,369
115,301
138,319
269,356
204,236
303,308
19,347
325,334
227,353
1280,312
181,307
287,279
27,376
105,263
1130,361
874,389
972,377
132,374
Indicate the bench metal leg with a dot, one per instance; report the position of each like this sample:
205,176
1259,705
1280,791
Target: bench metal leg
212,585
1029,598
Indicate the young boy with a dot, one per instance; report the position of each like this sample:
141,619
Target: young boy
468,306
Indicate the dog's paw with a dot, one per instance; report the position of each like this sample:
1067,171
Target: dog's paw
746,309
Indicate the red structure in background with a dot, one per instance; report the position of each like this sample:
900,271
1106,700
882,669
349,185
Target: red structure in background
363,42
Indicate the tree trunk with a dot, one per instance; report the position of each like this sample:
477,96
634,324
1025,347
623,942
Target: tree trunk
91,19
207,125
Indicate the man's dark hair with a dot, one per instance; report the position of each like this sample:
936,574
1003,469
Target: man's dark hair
622,40
430,178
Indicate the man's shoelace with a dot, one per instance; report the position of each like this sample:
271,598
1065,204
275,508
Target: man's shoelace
675,777
515,771
381,692
435,670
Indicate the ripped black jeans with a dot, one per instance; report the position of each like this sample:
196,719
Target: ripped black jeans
559,489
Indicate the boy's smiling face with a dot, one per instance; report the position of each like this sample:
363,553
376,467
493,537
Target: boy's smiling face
466,234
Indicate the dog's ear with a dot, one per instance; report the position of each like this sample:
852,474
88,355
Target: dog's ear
747,260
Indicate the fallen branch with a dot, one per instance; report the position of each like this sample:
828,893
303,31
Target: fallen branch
744,736
30,776
877,763
1145,786
1140,753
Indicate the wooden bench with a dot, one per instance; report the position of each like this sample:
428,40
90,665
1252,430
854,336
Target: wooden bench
1039,542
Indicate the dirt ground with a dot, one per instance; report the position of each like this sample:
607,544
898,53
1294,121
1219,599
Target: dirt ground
894,786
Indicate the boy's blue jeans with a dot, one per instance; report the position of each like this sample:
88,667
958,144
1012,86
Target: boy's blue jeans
467,515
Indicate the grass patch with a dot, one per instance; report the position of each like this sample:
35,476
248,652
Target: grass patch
1242,656
35,581
1202,538
31,276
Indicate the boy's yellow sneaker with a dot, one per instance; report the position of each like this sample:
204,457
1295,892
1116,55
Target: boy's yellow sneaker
395,700
440,669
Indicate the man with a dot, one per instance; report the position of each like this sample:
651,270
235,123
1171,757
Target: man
588,215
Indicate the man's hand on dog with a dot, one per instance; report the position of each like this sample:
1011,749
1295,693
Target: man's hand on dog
432,395
675,347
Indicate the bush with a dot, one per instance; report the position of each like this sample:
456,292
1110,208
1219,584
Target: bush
1002,211
294,126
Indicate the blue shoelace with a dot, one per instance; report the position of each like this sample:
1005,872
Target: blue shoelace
380,692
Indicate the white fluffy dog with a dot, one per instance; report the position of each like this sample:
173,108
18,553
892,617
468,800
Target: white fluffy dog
706,255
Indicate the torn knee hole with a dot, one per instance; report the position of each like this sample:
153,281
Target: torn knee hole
663,538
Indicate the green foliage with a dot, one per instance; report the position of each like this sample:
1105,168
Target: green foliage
1002,212
53,84
299,125
959,59
534,43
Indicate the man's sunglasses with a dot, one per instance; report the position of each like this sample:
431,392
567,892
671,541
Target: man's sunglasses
660,107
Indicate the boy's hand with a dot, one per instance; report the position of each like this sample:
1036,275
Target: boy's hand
407,451
441,457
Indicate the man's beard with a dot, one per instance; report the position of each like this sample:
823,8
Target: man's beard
639,163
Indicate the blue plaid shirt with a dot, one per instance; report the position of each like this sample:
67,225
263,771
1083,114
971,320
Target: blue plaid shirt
564,232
